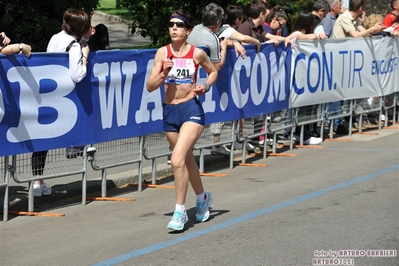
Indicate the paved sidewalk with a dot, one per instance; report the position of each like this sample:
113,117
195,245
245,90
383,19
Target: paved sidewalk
118,29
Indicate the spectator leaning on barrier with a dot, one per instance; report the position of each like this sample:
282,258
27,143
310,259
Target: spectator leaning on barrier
16,48
176,66
100,39
274,21
359,23
372,117
75,26
319,11
329,21
344,27
394,29
327,26
303,30
253,26
372,20
233,17
203,35
393,14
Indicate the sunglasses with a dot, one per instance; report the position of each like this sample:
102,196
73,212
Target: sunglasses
178,24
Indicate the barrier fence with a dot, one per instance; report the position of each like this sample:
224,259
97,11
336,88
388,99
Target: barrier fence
105,155
102,156
56,165
274,91
4,184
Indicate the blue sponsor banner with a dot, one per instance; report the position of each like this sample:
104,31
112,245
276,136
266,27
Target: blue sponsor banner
41,107
344,69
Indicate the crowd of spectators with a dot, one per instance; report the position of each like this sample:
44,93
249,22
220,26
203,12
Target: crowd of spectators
220,28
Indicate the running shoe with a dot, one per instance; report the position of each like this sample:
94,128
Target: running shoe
178,221
203,208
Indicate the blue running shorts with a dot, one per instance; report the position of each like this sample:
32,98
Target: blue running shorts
175,115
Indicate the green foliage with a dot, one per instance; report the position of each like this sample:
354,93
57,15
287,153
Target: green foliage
37,21
150,16
109,7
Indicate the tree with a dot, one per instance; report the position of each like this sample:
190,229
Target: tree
379,7
38,20
149,16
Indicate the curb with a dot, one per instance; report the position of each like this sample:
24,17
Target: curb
112,17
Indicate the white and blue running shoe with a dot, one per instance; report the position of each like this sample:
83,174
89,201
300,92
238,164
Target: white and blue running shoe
203,208
178,221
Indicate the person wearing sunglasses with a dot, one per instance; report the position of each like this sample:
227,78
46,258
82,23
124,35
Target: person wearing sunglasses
275,20
175,66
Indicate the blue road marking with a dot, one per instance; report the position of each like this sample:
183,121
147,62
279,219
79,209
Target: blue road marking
242,218
361,149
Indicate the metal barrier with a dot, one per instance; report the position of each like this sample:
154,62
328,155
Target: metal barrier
389,105
269,124
397,108
339,110
4,184
208,140
247,130
367,108
116,153
259,129
155,146
286,122
308,115
135,150
56,165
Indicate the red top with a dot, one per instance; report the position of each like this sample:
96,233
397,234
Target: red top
389,19
184,70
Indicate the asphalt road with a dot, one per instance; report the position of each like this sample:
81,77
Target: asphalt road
295,211
341,197
119,36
